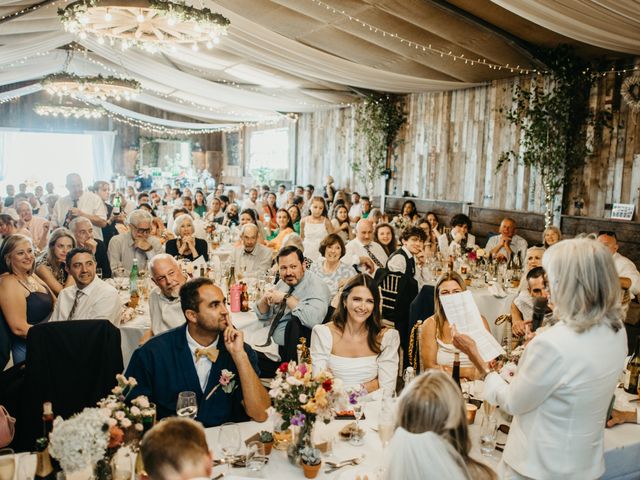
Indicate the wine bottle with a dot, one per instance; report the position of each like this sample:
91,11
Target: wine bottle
117,205
633,370
456,368
47,418
44,468
231,280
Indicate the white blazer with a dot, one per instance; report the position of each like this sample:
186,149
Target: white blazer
559,400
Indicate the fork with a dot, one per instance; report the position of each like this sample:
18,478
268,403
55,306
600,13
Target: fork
346,463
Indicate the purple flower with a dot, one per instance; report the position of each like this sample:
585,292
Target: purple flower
298,419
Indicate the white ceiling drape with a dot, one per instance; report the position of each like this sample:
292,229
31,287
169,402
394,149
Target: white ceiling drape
611,24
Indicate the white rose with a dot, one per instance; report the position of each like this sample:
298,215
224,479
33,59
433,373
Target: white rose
139,427
119,415
142,401
135,410
302,398
125,422
112,422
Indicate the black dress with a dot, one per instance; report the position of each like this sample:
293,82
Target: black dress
39,308
171,247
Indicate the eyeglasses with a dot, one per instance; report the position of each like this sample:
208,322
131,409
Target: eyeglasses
143,231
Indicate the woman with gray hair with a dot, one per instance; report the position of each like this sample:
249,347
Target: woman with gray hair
561,392
186,245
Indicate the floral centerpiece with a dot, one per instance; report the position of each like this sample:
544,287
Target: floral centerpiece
92,437
400,223
301,399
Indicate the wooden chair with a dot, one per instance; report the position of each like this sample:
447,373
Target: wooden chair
415,348
388,295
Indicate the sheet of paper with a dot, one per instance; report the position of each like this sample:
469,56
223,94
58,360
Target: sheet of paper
463,312
196,264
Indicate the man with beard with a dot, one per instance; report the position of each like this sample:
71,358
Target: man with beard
164,301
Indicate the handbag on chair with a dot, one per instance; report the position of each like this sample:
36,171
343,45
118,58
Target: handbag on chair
7,427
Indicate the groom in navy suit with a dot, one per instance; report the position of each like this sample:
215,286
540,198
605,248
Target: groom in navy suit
207,356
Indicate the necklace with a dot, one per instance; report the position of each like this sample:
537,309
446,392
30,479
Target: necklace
29,283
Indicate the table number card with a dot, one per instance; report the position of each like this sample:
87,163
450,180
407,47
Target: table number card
622,211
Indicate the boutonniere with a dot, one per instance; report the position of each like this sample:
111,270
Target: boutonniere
226,381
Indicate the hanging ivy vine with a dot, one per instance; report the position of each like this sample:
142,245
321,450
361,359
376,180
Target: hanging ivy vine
553,115
378,120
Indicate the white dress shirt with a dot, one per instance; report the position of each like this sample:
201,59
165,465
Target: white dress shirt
165,313
518,245
626,268
559,400
257,261
202,364
355,249
98,301
355,210
88,202
398,264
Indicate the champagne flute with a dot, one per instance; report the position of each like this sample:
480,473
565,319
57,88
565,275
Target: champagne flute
187,405
386,422
229,441
356,435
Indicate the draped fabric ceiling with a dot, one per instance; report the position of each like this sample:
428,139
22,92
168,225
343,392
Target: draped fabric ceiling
308,55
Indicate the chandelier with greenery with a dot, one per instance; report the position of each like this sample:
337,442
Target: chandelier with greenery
69,111
146,24
95,87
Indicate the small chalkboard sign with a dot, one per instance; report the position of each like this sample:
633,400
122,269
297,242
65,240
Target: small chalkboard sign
622,211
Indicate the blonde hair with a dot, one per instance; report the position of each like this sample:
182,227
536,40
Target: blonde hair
8,246
584,284
552,228
439,314
433,403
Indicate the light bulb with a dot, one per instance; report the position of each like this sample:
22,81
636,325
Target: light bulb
140,18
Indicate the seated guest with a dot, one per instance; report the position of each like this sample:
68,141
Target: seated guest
296,216
314,227
366,207
522,306
82,230
363,246
176,449
431,440
330,269
299,297
285,227
79,203
269,210
200,205
215,213
432,218
406,260
231,217
627,271
186,245
252,200
192,358
341,224
50,264
551,236
251,257
90,298
354,345
568,373
385,236
507,243
458,237
436,340
36,227
164,302
409,212
431,244
533,258
356,207
136,243
250,216
377,216
25,299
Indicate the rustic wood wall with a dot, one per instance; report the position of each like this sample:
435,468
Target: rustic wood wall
451,143
19,113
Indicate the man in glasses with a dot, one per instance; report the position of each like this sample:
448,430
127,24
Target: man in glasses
136,243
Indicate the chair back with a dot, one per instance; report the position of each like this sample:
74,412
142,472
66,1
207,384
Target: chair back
415,359
388,295
72,364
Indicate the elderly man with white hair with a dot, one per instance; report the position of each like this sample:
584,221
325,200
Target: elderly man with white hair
136,243
82,230
36,227
362,250
251,256
164,302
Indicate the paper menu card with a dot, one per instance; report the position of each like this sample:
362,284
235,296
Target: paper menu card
462,311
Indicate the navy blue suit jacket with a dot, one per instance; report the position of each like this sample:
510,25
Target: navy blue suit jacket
164,367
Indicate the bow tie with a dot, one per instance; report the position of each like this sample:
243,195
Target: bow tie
211,353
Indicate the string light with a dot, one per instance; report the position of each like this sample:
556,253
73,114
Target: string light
29,9
425,48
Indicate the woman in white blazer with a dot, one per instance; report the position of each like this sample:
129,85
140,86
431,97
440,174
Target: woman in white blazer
568,373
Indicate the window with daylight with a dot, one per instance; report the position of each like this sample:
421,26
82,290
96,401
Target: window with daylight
269,149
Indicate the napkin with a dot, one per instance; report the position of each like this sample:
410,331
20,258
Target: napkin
497,291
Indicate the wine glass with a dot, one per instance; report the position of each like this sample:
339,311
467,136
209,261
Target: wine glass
229,441
488,432
187,405
356,435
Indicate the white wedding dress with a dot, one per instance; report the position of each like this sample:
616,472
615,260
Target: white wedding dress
356,370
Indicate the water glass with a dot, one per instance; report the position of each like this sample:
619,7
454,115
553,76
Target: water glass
229,441
256,459
488,432
386,422
357,434
187,405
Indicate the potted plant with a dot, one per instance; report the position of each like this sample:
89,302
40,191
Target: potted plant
267,440
311,461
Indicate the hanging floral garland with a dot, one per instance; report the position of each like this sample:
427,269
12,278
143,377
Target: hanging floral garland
631,92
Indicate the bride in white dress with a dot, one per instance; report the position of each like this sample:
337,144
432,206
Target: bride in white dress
355,346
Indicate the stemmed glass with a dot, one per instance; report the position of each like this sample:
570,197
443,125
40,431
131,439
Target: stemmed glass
187,405
386,421
356,436
229,441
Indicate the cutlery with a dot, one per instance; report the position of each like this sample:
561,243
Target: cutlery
347,463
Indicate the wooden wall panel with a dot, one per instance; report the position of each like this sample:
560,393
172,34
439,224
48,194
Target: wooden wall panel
451,143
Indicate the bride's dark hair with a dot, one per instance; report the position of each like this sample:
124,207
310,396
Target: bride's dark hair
373,323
